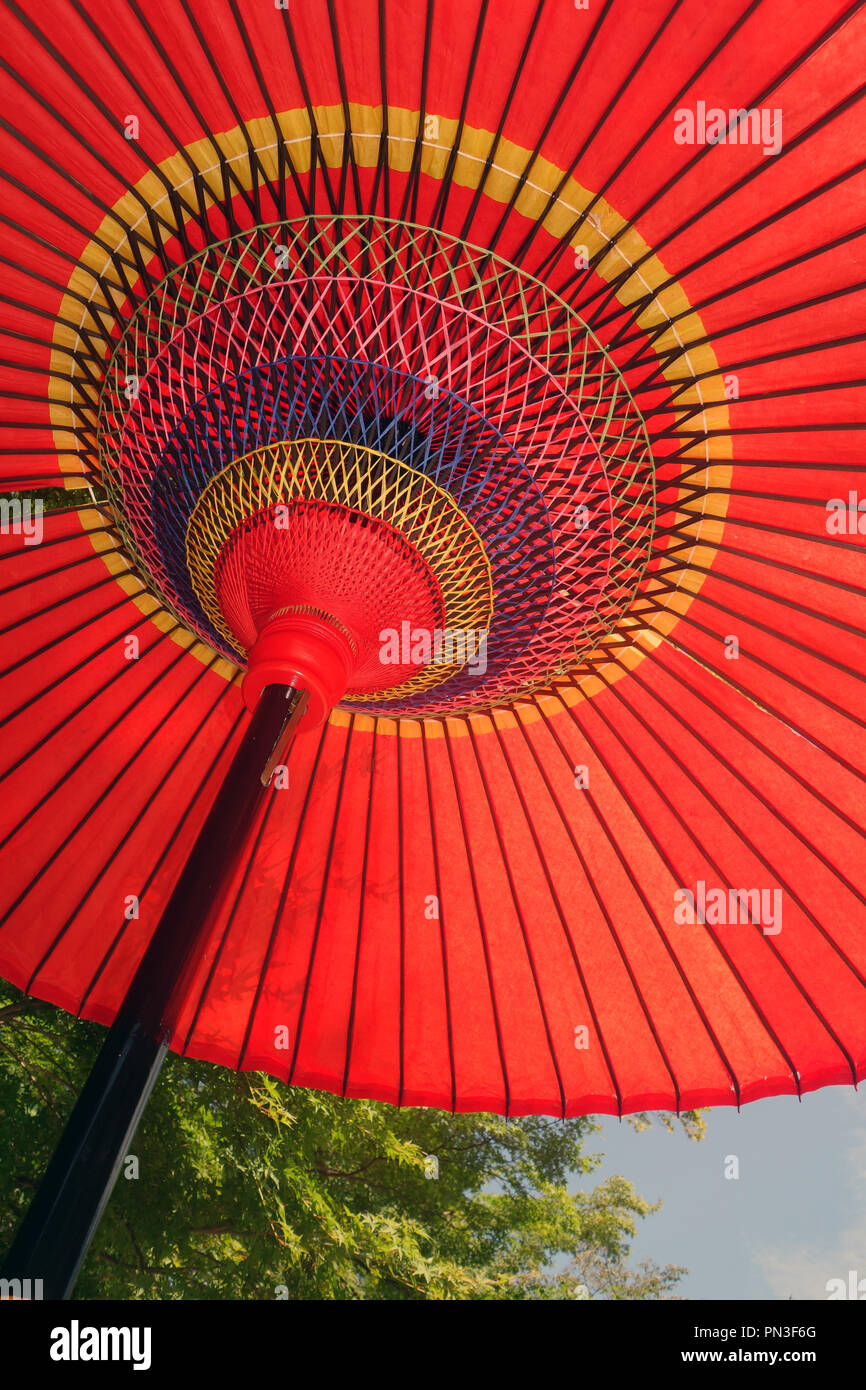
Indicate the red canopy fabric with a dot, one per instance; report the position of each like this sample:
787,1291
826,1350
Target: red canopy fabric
468,909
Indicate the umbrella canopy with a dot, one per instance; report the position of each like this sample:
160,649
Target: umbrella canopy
503,379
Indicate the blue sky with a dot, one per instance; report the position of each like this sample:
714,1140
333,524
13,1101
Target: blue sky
794,1218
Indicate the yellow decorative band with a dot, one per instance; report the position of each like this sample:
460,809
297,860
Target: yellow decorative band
510,174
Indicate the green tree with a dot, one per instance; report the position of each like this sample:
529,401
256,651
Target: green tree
249,1189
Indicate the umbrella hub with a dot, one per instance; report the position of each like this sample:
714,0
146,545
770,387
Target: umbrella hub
307,648
342,565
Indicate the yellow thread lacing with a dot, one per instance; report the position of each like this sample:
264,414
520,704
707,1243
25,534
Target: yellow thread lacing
363,480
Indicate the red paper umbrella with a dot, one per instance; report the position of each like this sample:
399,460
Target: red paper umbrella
472,401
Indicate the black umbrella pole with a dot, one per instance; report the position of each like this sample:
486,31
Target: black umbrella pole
52,1240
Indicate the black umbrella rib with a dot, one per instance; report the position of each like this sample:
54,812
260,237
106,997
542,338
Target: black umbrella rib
761,702
119,846
277,914
171,68
663,585
122,602
694,437
60,603
348,161
155,111
498,133
46,374
669,865
94,98
518,911
479,915
531,160
283,158
317,154
806,350
438,214
627,313
66,718
784,676
775,394
410,194
734,770
57,540
691,437
255,842
73,670
28,815
82,409
32,580
614,285
77,431
315,941
190,809
805,840
437,881
37,481
623,339
122,285
635,150
618,96
401,897
652,915
575,955
563,96
383,160
770,317
111,253
102,160
603,296
645,336
793,464
690,542
257,173
764,527
739,364
38,312
50,162
726,714
702,849
362,912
